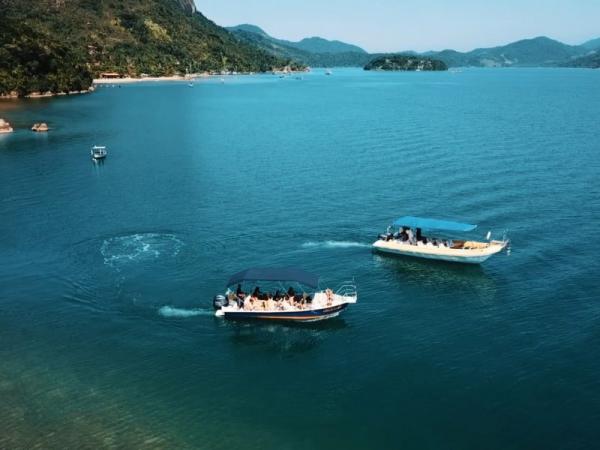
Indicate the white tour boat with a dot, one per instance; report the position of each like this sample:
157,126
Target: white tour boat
413,243
98,152
284,304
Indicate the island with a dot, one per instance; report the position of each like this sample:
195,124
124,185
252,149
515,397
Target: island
406,63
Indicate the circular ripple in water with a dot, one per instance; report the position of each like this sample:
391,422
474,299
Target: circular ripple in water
138,247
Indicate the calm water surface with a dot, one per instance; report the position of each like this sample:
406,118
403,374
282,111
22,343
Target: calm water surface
107,271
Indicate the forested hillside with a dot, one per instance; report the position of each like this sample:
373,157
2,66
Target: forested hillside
59,45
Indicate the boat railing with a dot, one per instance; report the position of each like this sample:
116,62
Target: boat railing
347,289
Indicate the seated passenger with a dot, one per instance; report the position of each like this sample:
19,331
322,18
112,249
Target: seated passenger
256,292
403,236
270,304
239,291
329,294
301,303
231,298
290,292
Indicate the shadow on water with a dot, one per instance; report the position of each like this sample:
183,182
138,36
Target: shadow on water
283,338
439,275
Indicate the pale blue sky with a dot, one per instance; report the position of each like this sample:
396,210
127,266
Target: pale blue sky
395,25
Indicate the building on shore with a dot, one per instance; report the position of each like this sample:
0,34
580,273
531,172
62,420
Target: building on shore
110,75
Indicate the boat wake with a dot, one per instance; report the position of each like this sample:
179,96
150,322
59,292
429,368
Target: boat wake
169,311
139,247
334,244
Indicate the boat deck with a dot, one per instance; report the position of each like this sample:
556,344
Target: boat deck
473,252
321,307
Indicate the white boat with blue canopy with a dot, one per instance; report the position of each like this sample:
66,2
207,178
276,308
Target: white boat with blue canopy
98,152
281,294
409,240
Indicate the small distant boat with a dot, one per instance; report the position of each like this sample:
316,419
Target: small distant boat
98,152
284,304
5,127
40,127
413,243
328,72
191,85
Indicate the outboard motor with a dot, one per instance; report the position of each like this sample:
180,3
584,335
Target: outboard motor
219,301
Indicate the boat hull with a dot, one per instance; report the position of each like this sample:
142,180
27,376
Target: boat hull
474,256
308,315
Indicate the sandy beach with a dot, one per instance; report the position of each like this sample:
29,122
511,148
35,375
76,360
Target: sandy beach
146,79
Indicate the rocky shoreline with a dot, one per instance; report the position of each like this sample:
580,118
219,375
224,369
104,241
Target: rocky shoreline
15,95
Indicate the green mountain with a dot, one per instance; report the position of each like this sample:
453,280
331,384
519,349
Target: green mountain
593,44
276,47
310,45
315,51
539,51
405,63
590,61
59,45
320,45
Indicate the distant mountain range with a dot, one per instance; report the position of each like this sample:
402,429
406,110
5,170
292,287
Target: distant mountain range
311,44
537,52
313,51
594,44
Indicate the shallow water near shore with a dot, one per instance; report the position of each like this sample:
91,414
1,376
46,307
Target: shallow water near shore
107,271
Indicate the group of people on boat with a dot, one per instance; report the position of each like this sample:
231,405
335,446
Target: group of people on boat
408,236
279,301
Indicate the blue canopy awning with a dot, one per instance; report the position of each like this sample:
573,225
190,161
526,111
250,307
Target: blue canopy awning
275,274
433,224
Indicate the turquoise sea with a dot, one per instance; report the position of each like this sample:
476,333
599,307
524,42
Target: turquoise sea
107,271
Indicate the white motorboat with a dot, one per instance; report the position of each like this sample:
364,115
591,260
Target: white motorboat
282,304
413,243
98,152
